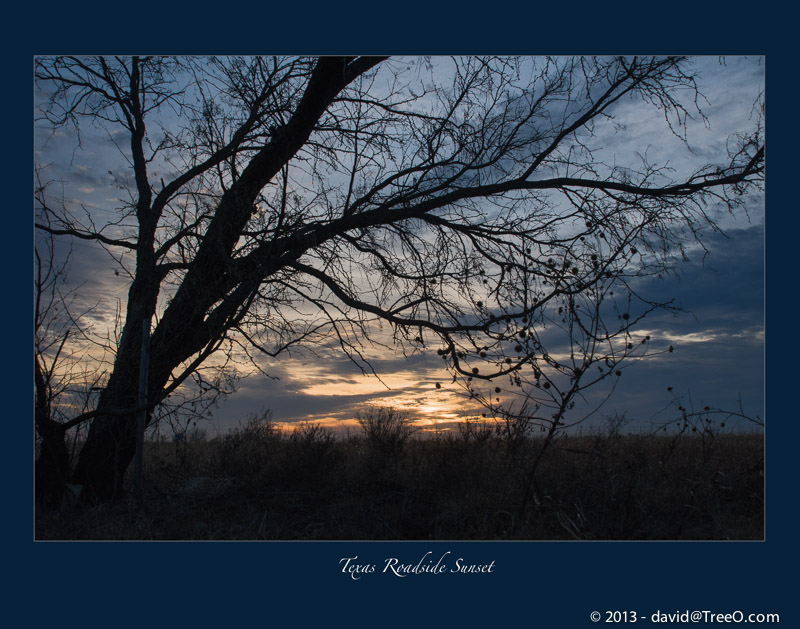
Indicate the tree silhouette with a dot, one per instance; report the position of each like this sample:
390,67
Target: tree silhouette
53,323
276,202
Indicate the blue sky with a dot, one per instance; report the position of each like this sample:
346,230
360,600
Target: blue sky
718,342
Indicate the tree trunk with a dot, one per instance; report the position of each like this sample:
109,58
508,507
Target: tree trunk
111,443
52,467
106,455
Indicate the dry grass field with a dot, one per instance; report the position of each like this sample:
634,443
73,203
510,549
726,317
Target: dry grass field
386,483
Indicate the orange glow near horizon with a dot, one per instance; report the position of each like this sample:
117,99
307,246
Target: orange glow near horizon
414,394
366,385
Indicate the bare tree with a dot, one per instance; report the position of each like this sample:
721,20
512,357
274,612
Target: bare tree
563,354
50,336
304,198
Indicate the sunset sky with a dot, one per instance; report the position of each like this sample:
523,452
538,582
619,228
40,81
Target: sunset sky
719,340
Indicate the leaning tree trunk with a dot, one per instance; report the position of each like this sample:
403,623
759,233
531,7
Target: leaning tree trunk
106,455
111,442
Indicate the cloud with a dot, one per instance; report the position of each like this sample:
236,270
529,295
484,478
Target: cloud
719,341
721,289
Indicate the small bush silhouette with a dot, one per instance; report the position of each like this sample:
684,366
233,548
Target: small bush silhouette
386,429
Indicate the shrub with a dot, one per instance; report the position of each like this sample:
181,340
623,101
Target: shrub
312,451
246,450
386,429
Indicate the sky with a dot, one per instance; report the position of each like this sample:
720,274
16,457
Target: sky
719,338
718,359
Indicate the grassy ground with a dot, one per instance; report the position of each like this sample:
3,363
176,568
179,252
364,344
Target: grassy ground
259,484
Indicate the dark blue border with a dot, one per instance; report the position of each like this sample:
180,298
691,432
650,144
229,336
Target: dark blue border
536,584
